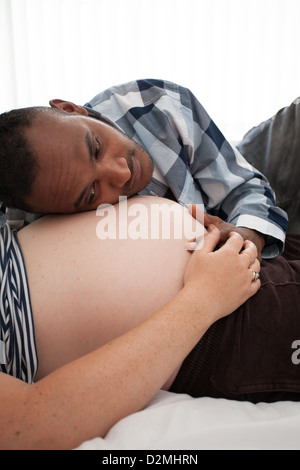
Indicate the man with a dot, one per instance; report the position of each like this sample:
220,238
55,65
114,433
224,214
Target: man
149,137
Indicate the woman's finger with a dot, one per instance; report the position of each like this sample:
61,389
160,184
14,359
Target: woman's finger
249,251
255,270
234,241
207,242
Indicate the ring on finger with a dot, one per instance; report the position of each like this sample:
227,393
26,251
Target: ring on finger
255,275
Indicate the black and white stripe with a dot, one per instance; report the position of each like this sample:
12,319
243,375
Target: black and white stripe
16,322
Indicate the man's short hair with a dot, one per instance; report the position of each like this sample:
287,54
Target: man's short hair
18,163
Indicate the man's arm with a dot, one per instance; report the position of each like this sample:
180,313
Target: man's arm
85,398
230,187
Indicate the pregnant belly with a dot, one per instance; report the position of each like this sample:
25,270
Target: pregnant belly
87,289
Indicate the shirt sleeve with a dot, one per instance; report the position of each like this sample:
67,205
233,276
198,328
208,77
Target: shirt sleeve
231,188
17,218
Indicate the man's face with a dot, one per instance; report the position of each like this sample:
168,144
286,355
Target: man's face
83,163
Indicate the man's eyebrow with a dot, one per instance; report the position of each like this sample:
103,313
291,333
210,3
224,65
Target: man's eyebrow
89,144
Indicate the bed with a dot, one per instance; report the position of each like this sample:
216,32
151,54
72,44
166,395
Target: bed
179,422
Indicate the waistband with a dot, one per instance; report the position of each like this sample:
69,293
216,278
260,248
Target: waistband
16,322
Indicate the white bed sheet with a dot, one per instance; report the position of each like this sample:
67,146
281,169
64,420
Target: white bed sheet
179,422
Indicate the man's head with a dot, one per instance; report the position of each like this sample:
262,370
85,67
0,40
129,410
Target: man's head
18,164
72,162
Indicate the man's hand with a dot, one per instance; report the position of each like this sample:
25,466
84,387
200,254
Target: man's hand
225,228
247,234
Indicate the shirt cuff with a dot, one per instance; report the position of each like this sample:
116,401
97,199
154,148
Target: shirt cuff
274,235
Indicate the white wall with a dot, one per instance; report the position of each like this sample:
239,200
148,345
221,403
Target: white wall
239,57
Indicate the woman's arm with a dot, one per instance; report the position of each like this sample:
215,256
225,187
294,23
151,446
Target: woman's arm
84,398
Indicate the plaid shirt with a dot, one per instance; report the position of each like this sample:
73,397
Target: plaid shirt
193,162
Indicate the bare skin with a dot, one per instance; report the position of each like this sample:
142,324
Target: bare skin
247,234
117,283
104,354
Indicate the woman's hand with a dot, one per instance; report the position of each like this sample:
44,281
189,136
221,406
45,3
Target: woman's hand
222,280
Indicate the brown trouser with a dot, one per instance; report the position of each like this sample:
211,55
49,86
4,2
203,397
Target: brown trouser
252,354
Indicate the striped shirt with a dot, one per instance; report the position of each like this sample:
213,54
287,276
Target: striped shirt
18,355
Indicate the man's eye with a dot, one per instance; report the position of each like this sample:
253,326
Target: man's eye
91,195
97,149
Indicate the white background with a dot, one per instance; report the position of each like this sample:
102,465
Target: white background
239,57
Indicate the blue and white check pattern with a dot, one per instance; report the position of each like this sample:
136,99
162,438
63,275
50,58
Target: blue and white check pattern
193,160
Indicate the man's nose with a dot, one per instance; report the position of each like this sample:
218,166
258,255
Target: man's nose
118,172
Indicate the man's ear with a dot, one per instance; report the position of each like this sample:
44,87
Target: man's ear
68,107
